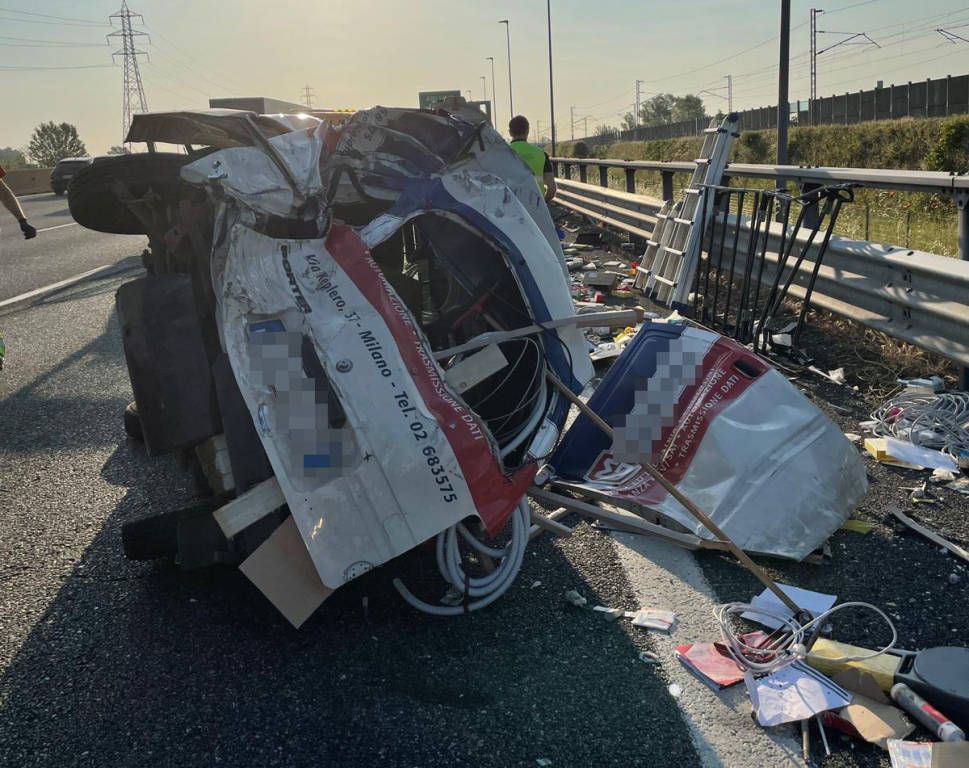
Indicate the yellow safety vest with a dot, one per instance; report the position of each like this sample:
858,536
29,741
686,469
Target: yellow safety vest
534,158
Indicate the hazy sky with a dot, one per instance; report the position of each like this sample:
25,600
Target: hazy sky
357,54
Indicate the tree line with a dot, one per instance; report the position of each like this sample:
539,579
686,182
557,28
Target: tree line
661,109
49,143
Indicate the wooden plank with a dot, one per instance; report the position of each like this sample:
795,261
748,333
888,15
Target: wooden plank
929,534
634,524
251,506
550,524
553,516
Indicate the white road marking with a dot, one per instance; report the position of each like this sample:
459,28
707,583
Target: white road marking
665,576
53,286
48,229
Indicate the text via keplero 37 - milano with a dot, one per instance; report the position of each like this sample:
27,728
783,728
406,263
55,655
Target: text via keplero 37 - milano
323,283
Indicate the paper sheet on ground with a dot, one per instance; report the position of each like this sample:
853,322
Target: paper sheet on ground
815,603
795,692
916,454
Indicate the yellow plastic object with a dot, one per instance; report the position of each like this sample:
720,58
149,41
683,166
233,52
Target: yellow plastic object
858,526
878,449
882,668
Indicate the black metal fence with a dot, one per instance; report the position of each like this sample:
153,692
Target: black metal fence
926,98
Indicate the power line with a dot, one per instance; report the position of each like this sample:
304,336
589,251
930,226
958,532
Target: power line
39,69
52,23
53,43
90,22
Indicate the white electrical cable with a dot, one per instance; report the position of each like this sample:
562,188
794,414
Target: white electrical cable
792,646
933,421
486,589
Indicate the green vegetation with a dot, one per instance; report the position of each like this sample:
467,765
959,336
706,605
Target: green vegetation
923,221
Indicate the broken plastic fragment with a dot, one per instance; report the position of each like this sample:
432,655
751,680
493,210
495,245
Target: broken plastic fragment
654,618
575,598
609,614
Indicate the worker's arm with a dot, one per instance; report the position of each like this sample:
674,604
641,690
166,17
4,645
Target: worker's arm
550,188
548,177
12,204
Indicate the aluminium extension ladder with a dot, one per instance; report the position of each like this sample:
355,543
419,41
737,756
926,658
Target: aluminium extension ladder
672,253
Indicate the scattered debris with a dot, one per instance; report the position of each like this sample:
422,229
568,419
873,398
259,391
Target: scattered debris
654,618
676,690
858,526
852,437
543,762
648,657
711,663
870,715
609,614
930,535
926,715
942,475
768,610
792,693
575,598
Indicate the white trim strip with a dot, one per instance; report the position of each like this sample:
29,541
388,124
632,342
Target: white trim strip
59,226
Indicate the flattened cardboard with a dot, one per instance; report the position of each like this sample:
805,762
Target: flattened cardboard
871,714
950,754
284,572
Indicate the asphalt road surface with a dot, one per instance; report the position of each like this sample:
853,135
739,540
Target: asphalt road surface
61,249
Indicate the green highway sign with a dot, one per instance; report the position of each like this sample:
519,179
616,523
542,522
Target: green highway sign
429,99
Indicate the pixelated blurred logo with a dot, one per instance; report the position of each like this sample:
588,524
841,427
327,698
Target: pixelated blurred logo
608,471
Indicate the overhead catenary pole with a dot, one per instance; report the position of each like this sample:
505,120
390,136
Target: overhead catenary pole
551,85
636,114
494,100
729,94
511,97
484,87
783,106
572,121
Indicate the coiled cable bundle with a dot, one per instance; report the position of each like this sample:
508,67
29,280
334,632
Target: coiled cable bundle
477,592
940,422
789,645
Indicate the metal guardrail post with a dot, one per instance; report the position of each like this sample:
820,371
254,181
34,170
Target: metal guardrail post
567,171
603,176
667,177
582,173
630,180
961,198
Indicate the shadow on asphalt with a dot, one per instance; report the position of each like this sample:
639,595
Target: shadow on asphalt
143,664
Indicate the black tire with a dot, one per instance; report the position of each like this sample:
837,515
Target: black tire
94,204
151,538
132,423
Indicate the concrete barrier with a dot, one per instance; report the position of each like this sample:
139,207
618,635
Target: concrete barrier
28,181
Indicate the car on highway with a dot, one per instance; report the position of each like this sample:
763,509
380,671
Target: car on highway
65,171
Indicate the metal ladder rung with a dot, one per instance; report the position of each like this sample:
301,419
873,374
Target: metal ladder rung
691,191
683,221
674,251
664,281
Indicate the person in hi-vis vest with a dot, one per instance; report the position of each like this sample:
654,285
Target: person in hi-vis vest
534,157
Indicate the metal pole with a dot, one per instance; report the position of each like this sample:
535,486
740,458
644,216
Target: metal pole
636,116
783,107
551,85
729,94
494,100
572,121
962,205
511,98
484,87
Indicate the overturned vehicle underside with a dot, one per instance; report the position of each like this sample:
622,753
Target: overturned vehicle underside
309,301
363,337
